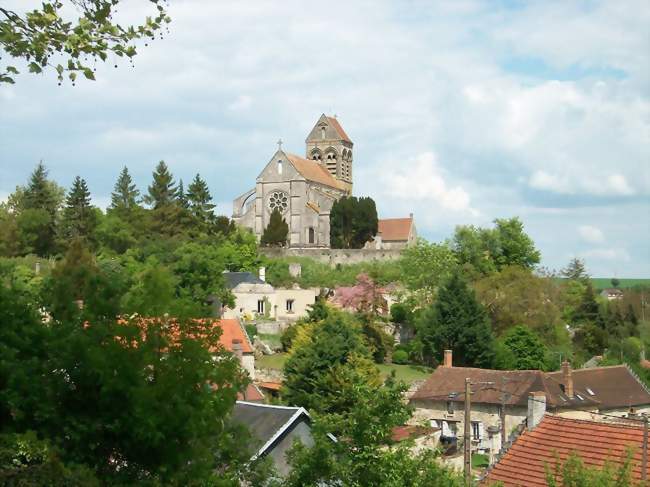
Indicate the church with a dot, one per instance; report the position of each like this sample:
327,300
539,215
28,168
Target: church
305,188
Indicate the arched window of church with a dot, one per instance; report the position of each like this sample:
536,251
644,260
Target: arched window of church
279,166
322,133
312,235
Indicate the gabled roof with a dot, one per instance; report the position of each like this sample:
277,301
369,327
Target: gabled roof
598,387
394,229
524,463
267,423
251,394
233,279
339,130
614,386
313,171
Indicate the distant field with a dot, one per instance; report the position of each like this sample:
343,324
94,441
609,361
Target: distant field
405,373
605,282
601,283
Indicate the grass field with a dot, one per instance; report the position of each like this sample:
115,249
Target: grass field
406,373
606,282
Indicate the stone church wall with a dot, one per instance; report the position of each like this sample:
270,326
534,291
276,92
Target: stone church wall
334,256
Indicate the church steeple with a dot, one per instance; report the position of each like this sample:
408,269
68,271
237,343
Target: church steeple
328,144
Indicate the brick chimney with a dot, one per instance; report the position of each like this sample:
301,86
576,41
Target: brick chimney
448,359
237,349
536,409
567,379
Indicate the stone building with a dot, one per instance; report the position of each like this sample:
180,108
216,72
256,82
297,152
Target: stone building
302,188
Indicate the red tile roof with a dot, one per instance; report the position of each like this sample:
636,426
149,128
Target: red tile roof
406,432
233,330
313,171
395,229
251,394
524,463
339,130
272,386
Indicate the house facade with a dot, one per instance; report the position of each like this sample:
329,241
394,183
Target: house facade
256,298
394,233
499,403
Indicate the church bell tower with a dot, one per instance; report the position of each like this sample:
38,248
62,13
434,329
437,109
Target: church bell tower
329,145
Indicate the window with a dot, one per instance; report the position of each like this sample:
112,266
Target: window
290,305
279,200
322,133
450,407
279,167
449,429
476,430
590,392
311,235
260,306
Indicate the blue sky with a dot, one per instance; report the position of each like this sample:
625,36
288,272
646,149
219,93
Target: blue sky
461,112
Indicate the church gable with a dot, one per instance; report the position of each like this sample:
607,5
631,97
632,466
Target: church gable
279,169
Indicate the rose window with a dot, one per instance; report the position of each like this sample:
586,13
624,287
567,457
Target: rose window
279,200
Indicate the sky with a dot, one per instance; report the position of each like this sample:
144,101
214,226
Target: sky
460,112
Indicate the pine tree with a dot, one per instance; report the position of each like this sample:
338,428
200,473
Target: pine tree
576,270
353,221
458,322
38,209
162,191
125,194
277,231
181,196
200,200
588,311
79,218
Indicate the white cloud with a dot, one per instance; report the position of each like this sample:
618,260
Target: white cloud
421,179
616,254
591,234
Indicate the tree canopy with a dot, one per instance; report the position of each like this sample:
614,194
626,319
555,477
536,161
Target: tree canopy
353,222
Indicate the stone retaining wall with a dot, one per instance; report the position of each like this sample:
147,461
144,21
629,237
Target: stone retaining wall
334,256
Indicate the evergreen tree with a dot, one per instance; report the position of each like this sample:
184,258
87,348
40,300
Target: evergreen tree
353,221
277,230
200,200
125,195
38,207
576,270
181,197
587,311
162,191
79,217
458,322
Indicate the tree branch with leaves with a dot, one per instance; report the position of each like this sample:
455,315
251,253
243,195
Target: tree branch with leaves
46,39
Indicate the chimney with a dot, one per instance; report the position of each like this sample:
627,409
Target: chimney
262,274
536,409
237,349
567,379
448,359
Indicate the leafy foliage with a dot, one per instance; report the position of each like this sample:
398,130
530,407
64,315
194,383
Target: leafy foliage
45,39
521,349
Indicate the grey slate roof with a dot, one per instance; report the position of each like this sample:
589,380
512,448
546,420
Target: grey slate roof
233,279
265,422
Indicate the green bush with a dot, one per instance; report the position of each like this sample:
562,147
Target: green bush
251,330
400,357
287,337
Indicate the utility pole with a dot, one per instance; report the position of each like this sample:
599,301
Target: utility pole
644,458
467,447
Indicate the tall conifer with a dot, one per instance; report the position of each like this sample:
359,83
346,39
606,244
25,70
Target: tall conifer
200,200
125,194
78,215
162,191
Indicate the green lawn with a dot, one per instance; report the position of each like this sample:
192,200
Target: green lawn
480,461
275,361
406,373
601,283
